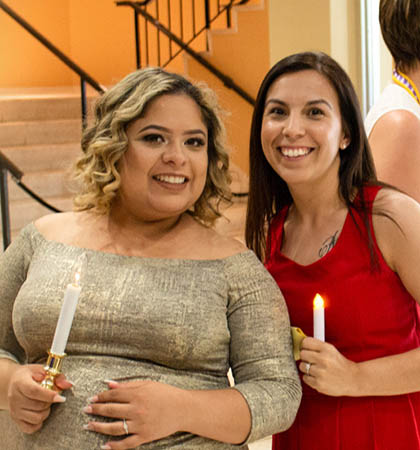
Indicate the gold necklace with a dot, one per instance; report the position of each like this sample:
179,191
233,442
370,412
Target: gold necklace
406,83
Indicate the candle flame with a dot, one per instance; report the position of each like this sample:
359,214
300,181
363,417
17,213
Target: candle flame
80,266
318,302
77,277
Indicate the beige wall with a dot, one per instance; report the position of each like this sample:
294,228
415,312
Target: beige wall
297,26
331,26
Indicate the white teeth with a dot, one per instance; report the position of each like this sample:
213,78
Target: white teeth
171,179
294,152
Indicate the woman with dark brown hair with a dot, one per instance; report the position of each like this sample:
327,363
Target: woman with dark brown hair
323,224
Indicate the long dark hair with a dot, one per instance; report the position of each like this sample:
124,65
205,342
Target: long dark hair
268,192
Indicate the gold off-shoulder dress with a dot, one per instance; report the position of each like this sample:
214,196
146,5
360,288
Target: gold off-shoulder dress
176,321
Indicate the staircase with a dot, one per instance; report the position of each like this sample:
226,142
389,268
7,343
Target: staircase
40,128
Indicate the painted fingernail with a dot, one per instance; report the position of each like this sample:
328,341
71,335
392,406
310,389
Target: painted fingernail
87,409
87,427
93,399
105,447
71,382
109,381
59,399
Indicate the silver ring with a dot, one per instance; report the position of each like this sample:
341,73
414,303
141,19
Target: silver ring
125,427
308,368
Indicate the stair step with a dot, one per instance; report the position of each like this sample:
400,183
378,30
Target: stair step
35,133
44,184
19,109
42,103
43,157
27,210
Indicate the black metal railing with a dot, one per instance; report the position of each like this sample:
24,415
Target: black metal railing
7,166
159,40
84,76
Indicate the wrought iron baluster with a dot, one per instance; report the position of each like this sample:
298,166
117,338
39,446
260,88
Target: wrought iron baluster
146,31
137,31
181,20
170,29
207,13
228,14
193,16
5,212
84,102
158,33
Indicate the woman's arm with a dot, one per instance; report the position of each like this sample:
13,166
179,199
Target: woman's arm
261,350
7,368
395,143
20,393
333,374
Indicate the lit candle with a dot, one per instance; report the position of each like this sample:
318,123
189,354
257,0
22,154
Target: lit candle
68,309
319,318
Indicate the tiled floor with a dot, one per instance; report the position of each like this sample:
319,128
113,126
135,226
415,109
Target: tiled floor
263,444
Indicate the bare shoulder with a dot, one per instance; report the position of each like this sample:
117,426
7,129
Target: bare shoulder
51,225
396,205
396,221
62,227
400,126
210,244
228,246
398,119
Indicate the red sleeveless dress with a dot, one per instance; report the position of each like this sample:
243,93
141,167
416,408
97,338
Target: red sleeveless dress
367,315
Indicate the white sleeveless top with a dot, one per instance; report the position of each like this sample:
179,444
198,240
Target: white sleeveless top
393,98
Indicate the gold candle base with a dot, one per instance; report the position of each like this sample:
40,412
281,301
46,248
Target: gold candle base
52,368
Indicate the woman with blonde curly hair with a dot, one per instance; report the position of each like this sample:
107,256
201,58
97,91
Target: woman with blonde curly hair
167,305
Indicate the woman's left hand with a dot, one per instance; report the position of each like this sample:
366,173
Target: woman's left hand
151,410
326,370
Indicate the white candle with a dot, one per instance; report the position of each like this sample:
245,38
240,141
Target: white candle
65,320
319,318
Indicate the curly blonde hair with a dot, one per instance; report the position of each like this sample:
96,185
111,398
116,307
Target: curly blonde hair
105,141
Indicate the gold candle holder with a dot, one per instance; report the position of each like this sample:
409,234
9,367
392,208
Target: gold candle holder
53,369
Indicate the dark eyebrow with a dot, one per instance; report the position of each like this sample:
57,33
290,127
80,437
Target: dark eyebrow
276,101
310,103
166,130
314,102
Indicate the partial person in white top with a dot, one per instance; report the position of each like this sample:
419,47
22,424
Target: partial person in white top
393,123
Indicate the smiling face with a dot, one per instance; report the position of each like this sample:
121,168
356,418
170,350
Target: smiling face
301,131
163,171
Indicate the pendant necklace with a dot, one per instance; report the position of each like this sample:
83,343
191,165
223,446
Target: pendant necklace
402,80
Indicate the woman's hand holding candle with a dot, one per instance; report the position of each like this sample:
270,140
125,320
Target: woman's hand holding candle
324,368
330,372
63,328
28,403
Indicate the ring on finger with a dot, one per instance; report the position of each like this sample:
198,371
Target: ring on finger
308,368
125,426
